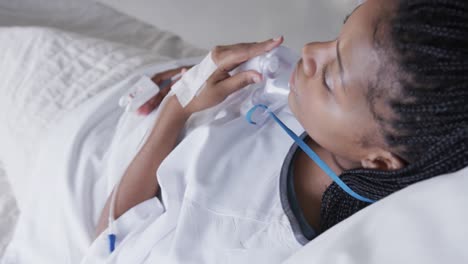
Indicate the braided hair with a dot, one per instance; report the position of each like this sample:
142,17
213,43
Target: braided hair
429,43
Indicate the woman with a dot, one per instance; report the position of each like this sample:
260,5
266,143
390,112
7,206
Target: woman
384,105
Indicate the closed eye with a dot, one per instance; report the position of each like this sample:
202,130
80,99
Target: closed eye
346,19
324,78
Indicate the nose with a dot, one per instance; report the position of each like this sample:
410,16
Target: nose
315,56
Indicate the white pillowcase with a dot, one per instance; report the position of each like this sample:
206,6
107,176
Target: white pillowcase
425,223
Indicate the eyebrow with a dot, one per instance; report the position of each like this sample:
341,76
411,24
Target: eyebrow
338,55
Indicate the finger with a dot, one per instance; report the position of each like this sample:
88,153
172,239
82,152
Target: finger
217,76
239,81
158,78
144,110
259,48
180,75
245,51
154,102
149,106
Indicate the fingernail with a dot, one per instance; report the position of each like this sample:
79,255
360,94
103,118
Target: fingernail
256,79
277,38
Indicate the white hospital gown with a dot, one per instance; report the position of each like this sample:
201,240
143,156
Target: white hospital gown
220,194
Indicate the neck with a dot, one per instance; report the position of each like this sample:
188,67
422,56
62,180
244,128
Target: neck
311,181
343,164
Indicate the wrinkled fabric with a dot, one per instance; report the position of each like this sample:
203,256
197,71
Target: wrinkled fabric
220,198
219,189
424,223
64,189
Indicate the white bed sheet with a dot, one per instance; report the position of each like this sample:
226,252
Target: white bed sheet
8,211
91,19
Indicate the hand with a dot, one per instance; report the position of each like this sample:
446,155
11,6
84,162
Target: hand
221,84
154,102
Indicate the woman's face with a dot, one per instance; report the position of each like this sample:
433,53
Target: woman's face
329,88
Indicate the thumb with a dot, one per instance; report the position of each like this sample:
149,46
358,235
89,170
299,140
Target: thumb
239,81
149,106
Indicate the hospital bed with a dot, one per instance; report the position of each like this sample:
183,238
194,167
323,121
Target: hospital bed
87,18
425,223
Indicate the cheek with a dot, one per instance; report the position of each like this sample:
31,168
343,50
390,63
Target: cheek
320,116
329,132
310,102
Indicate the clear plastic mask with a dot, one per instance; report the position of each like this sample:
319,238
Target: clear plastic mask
276,67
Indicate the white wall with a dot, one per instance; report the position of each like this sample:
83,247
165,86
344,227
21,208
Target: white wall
206,23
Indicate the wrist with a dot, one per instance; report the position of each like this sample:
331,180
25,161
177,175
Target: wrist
171,118
176,109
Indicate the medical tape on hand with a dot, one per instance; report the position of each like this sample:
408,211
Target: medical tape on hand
193,80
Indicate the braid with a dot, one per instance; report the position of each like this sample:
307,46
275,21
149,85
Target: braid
430,40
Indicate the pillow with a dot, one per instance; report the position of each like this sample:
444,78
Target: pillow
424,223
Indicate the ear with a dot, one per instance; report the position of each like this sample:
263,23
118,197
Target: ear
382,160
